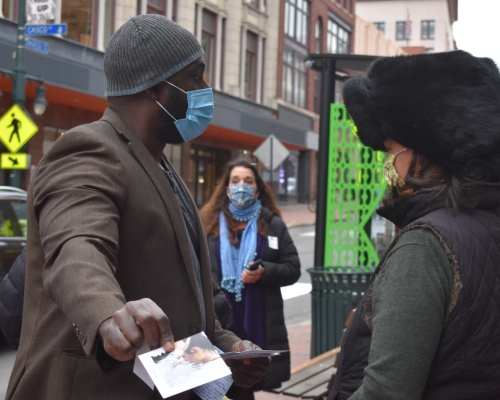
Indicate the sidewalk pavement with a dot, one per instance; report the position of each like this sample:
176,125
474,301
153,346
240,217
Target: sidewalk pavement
297,215
299,337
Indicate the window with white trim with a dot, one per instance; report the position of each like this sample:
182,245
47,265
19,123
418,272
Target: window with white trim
297,20
338,39
294,78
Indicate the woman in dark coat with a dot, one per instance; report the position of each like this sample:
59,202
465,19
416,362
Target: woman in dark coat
428,327
243,225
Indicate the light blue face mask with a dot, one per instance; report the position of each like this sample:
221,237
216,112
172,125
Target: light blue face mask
242,196
198,114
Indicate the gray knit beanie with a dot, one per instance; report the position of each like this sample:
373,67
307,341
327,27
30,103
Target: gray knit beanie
146,50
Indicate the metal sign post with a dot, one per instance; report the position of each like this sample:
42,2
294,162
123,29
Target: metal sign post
327,98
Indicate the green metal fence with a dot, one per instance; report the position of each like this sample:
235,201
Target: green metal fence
355,188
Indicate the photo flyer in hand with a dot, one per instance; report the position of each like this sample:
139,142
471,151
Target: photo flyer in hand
195,363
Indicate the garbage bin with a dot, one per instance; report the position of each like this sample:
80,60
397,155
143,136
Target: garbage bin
335,292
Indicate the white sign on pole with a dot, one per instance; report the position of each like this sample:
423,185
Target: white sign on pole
271,152
40,10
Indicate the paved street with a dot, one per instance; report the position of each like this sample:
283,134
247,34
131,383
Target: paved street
297,309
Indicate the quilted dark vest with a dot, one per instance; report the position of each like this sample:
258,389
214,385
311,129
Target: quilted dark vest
467,362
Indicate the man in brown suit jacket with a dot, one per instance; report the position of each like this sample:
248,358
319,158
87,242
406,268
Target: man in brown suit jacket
117,254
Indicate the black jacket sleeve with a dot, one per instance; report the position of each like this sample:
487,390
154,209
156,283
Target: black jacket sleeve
284,269
11,301
222,308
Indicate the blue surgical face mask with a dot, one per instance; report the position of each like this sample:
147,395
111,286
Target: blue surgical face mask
241,195
198,114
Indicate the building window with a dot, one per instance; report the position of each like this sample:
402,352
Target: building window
8,9
253,3
403,30
79,15
157,7
427,29
208,42
167,8
297,20
338,39
318,36
294,78
108,28
429,50
251,66
380,26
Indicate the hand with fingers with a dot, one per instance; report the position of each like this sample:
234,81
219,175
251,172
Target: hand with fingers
136,321
248,372
252,276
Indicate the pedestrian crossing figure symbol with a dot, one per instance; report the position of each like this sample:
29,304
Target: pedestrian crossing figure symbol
16,128
16,125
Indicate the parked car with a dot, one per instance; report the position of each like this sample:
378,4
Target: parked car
13,226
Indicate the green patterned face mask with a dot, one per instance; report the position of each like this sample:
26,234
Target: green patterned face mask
390,173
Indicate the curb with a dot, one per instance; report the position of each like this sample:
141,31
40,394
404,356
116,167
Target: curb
300,224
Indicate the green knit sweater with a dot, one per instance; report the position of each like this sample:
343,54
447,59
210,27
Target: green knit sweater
411,296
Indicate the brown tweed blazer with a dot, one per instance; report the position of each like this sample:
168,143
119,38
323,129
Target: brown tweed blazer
104,228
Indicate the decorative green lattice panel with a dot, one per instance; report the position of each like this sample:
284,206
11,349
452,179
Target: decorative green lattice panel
356,186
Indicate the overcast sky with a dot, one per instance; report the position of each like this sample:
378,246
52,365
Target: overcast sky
478,28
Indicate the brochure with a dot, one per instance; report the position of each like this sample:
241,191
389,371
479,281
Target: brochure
195,363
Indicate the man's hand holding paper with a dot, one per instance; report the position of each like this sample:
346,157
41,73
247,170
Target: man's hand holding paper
124,333
249,371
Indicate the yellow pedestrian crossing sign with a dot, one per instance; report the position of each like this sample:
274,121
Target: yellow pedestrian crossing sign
16,128
14,161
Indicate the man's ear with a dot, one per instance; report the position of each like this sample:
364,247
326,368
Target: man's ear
154,92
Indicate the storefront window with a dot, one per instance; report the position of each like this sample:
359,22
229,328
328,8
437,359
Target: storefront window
288,173
78,14
202,174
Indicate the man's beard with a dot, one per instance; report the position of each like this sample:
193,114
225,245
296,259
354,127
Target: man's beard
177,106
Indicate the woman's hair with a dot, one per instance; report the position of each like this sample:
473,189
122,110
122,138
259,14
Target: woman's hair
219,202
426,175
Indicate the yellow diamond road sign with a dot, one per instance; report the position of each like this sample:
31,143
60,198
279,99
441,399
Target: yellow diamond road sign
14,161
16,128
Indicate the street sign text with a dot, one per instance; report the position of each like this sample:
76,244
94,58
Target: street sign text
37,46
46,29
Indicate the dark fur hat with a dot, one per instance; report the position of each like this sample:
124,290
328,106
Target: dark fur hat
445,106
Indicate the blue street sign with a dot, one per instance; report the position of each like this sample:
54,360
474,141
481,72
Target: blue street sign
37,46
46,29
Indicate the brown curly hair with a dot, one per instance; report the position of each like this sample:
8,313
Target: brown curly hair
219,202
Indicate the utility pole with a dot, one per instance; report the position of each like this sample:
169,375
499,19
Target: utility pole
19,77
